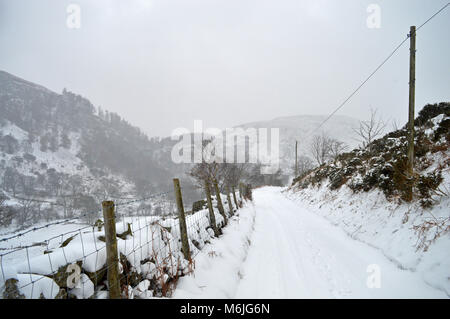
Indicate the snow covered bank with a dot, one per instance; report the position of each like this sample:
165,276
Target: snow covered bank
368,193
392,228
218,265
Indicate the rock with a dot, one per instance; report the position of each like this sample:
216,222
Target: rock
125,234
11,290
60,277
97,277
99,224
129,275
337,180
196,244
198,205
85,288
62,294
67,241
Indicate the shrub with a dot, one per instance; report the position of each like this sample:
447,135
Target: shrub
431,110
426,185
198,205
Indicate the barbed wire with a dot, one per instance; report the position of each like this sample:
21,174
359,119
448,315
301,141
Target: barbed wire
77,217
66,220
46,226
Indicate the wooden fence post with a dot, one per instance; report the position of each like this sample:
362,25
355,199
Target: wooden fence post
234,197
230,205
212,217
219,201
249,192
241,189
112,258
182,220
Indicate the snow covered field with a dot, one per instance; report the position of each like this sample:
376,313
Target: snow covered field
280,248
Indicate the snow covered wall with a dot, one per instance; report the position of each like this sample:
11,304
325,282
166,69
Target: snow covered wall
37,266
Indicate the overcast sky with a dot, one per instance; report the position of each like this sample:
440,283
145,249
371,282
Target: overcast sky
161,64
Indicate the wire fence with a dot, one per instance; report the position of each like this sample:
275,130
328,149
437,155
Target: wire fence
72,261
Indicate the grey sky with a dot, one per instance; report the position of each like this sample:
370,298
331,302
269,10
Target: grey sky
163,63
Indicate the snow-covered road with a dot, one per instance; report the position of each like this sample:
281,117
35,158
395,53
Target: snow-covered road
297,254
294,253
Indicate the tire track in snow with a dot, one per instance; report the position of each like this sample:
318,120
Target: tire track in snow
297,254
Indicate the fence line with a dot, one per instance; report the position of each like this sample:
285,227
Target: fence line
151,252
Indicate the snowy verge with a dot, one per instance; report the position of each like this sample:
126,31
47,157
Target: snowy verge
387,226
218,266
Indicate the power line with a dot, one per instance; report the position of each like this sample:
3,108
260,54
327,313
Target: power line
378,68
439,11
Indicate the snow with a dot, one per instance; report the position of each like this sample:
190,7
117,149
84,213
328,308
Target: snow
284,249
32,286
153,249
387,226
285,244
84,288
217,265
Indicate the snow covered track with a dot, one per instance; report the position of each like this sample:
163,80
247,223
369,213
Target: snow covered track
295,253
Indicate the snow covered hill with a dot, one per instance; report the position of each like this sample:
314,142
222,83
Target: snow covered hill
302,128
59,147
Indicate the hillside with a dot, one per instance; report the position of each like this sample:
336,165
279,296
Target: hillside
55,146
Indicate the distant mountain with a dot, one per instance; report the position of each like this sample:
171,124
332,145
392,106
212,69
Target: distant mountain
302,128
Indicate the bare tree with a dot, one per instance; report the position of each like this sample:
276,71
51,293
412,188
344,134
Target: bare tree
369,130
6,212
233,173
320,148
11,180
305,164
3,199
25,211
394,125
336,148
208,170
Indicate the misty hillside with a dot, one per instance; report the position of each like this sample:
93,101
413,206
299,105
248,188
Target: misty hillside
302,128
65,132
55,145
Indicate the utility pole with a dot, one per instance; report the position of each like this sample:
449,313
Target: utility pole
296,160
412,88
